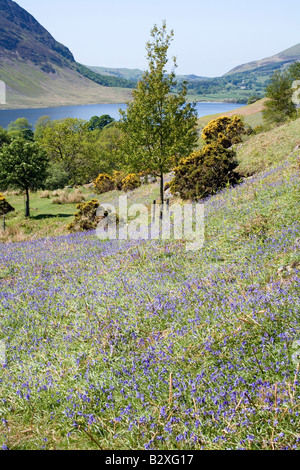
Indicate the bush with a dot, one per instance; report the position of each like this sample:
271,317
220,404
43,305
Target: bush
130,182
224,130
103,183
204,172
5,207
86,217
118,177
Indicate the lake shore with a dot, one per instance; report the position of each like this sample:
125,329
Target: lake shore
85,112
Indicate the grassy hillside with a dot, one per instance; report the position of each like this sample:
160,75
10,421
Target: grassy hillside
144,345
252,114
29,86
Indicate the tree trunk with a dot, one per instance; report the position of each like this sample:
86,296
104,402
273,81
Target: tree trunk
162,188
27,211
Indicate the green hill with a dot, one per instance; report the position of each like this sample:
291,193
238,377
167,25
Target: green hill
39,71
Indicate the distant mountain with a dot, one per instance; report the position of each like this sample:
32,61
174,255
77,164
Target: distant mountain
283,58
135,74
39,71
128,74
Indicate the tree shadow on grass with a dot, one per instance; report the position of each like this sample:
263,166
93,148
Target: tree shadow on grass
50,216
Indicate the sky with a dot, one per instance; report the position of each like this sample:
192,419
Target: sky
210,37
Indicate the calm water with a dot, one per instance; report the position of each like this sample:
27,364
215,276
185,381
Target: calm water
87,111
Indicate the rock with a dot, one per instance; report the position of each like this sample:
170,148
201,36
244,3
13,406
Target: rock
168,195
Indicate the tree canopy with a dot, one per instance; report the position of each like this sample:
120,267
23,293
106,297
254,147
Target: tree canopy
23,165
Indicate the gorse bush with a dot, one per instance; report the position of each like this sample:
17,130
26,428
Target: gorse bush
225,131
103,183
131,182
86,217
204,172
118,177
5,207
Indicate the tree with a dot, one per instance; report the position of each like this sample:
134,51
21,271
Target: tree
279,107
68,142
294,71
158,126
23,165
99,122
20,128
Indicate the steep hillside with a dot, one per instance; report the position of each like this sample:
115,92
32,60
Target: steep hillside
285,57
39,71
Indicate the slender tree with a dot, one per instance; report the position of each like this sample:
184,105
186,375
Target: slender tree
159,126
23,165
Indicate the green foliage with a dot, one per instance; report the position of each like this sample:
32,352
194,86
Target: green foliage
294,71
108,149
57,177
224,130
21,128
279,107
69,143
19,125
158,125
103,183
86,217
40,126
99,122
5,138
5,207
131,182
23,165
204,172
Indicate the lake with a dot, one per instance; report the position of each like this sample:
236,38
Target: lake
87,111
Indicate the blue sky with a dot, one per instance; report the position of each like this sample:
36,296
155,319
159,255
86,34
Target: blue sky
211,37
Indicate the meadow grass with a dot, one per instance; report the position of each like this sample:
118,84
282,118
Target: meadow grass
144,345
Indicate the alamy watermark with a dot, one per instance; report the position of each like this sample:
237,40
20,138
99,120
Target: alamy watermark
2,353
2,92
157,222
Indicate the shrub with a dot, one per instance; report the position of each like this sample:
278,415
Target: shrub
5,207
204,172
130,182
103,183
224,130
86,217
118,177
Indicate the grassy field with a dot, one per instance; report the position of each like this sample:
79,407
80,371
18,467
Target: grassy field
146,345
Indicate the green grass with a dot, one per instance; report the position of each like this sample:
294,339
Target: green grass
268,148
